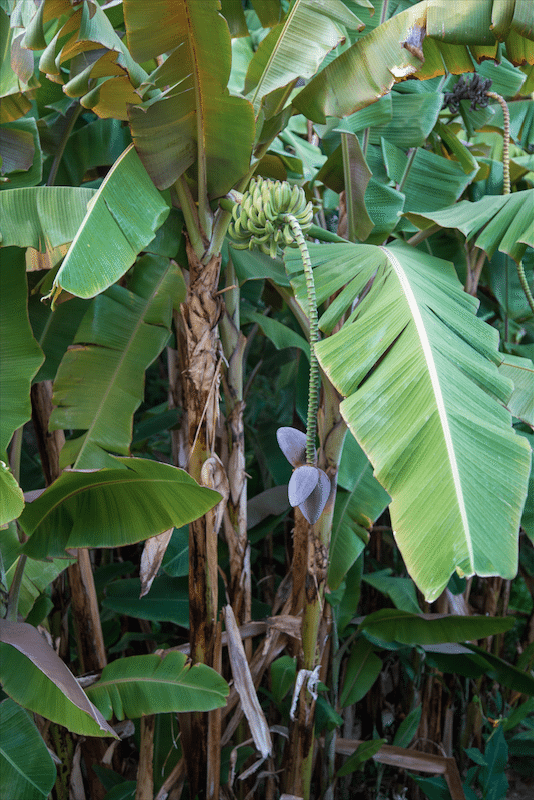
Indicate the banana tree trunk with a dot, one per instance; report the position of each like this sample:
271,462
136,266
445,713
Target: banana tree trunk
201,363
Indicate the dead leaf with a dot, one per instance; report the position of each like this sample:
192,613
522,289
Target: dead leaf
245,686
153,553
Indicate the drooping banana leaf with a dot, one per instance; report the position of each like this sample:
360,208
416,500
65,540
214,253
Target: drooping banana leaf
138,685
27,770
425,40
112,507
425,401
48,687
100,381
108,81
499,222
121,219
190,116
20,355
297,46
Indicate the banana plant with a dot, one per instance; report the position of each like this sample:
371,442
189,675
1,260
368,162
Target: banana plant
406,365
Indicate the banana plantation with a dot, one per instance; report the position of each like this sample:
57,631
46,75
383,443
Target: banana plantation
267,400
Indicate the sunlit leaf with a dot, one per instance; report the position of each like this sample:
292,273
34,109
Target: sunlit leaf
425,40
121,219
424,398
132,687
296,47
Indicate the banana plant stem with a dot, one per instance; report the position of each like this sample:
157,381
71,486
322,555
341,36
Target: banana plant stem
313,392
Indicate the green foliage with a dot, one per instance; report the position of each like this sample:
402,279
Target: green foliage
150,119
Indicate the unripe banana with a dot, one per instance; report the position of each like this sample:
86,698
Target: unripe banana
260,219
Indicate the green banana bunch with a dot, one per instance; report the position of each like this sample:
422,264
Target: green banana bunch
260,220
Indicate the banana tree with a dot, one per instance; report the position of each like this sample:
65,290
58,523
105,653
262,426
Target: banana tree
400,341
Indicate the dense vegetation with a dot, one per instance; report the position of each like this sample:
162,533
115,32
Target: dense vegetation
250,246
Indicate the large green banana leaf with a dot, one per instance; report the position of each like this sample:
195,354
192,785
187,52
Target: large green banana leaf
132,687
425,401
47,687
425,40
20,355
121,219
100,381
195,118
112,507
296,47
27,770
499,222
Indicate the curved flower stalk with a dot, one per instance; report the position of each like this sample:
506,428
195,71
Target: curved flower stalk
478,91
272,215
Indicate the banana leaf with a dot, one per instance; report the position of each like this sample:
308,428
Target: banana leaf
46,687
20,355
392,625
401,591
296,47
138,685
54,330
103,73
20,153
42,217
498,222
195,118
100,381
167,600
17,82
521,372
37,576
112,507
424,400
425,40
26,767
121,219
363,668
11,497
359,502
